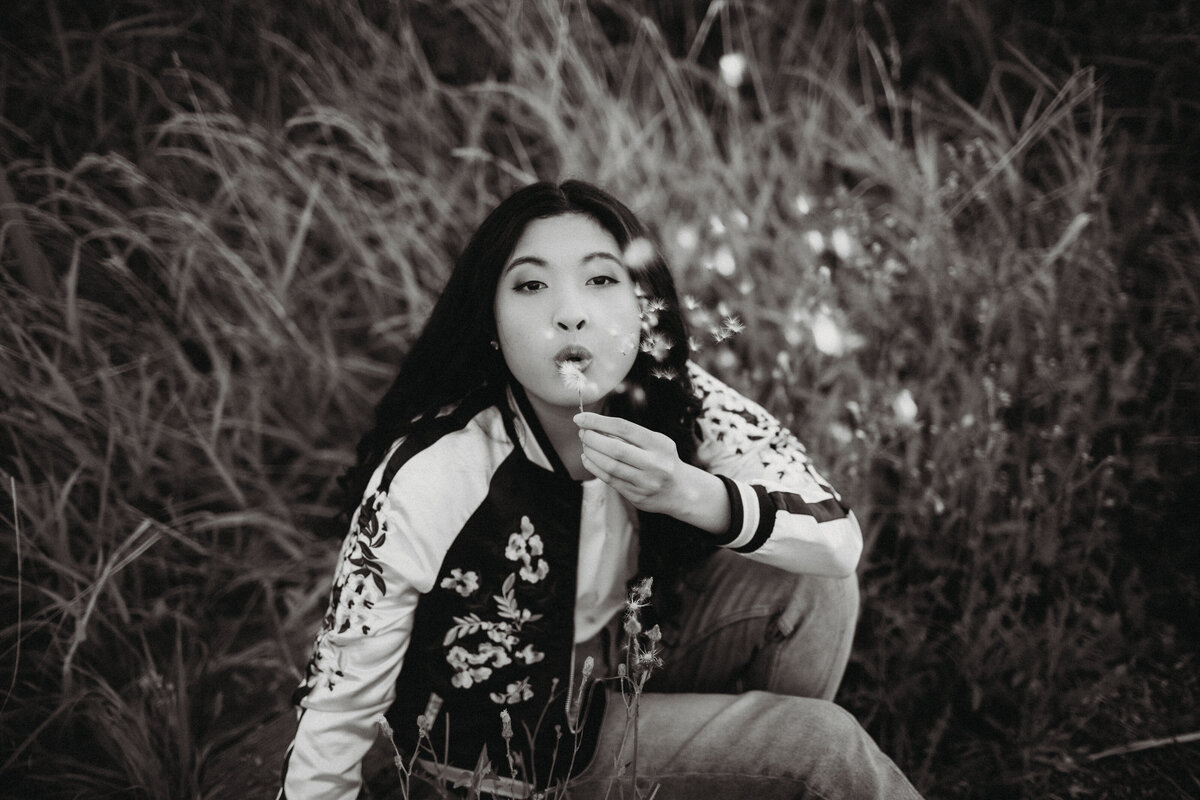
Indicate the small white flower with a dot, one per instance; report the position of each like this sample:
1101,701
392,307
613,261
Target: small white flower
516,548
733,69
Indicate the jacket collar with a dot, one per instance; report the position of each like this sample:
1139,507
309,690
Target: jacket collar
526,431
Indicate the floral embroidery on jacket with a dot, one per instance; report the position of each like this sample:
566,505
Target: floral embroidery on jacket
357,587
500,647
465,583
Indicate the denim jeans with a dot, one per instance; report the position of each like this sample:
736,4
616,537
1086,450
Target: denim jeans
742,706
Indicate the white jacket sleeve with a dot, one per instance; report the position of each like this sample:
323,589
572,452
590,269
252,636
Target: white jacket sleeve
391,556
782,512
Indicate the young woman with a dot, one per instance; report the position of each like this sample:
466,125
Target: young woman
546,445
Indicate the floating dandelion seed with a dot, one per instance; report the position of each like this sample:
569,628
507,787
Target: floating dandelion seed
803,204
663,373
690,303
574,379
657,345
687,238
904,407
734,325
733,69
716,226
827,336
841,242
656,304
694,344
741,219
723,261
638,254
816,241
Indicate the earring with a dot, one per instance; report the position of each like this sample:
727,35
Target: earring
495,345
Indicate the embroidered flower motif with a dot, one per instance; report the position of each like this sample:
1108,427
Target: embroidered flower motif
529,655
532,575
525,546
497,647
465,583
514,693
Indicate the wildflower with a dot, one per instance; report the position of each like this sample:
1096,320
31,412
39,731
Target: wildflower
638,254
733,69
904,407
506,729
633,626
382,722
654,635
589,664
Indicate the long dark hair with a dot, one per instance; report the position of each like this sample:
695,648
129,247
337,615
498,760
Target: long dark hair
452,358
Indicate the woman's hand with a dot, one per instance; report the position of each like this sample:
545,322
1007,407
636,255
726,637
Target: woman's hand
644,467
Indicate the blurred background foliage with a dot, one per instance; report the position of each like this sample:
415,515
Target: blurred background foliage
961,235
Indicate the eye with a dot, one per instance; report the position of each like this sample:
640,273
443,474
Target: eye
603,280
529,287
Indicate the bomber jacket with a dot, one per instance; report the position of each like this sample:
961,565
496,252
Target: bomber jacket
455,592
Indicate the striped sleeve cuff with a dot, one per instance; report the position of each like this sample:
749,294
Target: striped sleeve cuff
751,516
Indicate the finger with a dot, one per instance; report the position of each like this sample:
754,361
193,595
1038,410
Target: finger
614,426
617,449
629,491
611,466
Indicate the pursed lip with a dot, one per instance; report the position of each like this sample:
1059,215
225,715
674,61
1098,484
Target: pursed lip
573,354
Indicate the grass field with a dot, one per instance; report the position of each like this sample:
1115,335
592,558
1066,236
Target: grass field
961,241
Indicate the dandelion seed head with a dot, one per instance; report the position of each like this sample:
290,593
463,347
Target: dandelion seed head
734,325
656,304
382,722
733,69
572,376
638,254
589,664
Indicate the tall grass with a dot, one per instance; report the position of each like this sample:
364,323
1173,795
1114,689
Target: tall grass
937,299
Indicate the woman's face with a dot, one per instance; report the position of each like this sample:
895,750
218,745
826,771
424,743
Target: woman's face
565,304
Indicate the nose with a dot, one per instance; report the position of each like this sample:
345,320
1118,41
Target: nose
570,315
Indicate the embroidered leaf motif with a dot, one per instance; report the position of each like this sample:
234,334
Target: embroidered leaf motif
465,627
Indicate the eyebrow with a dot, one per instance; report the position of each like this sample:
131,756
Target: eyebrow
540,262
